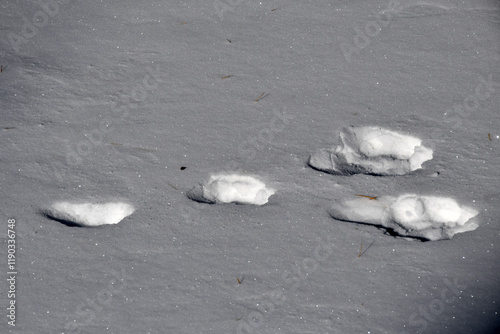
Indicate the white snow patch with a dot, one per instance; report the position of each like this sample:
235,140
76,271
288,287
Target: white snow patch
232,188
90,214
427,217
372,150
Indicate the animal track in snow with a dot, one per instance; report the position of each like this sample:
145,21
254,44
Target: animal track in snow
231,188
89,214
372,150
423,217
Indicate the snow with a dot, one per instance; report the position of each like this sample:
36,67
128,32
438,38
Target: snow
427,217
372,150
89,214
232,188
106,101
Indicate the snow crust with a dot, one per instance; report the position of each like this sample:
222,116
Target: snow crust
90,214
232,188
426,217
372,150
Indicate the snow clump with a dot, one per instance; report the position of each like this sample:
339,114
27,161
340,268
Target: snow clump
90,214
232,188
425,217
372,150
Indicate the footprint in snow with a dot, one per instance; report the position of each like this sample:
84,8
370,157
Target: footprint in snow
231,188
89,214
422,217
372,150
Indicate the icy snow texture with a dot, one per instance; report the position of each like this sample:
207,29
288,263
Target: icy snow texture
89,214
426,217
372,150
232,188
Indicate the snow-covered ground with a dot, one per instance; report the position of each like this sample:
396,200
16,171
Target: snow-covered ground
135,103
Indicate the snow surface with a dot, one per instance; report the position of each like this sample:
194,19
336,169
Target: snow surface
232,188
426,217
110,99
372,150
90,214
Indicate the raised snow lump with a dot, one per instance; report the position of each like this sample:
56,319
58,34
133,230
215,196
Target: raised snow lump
90,214
232,188
372,150
424,217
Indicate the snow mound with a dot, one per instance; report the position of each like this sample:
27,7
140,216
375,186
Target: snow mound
90,214
424,217
372,150
232,188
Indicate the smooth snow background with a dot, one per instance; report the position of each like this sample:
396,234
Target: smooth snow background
173,265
